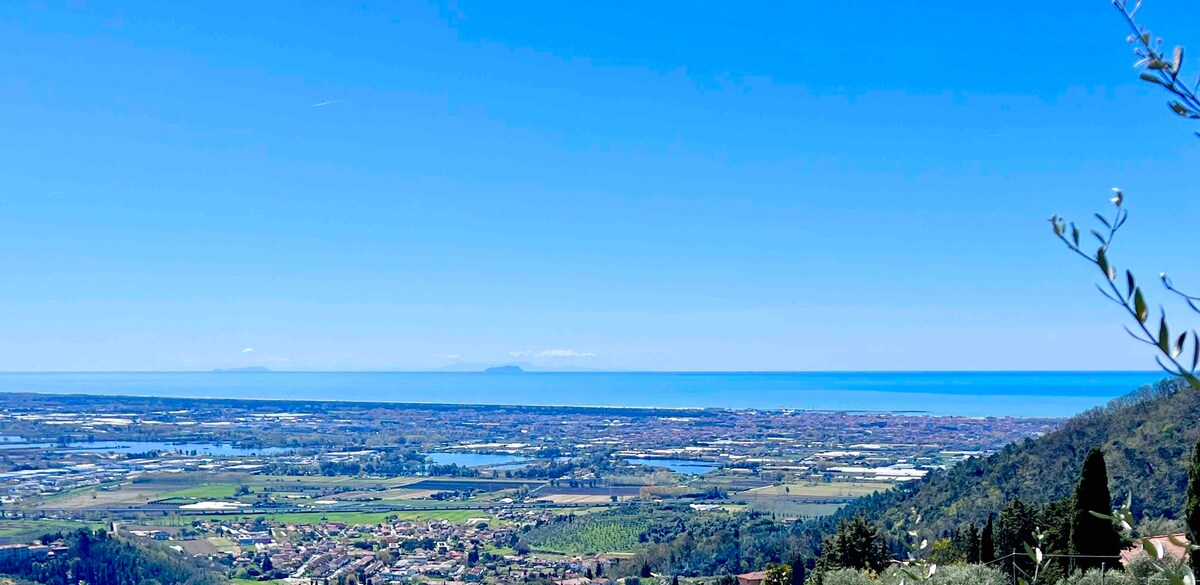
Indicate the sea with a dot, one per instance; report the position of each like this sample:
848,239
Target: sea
977,394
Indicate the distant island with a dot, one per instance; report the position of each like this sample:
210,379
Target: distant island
245,369
504,370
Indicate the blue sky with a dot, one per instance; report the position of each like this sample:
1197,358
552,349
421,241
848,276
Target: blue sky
680,186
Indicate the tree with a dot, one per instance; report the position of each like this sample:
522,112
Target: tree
987,542
1055,522
973,543
777,574
1172,352
1014,531
1157,67
1095,538
856,544
1191,508
799,571
963,546
645,572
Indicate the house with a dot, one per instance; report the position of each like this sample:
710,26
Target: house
1173,545
575,581
752,578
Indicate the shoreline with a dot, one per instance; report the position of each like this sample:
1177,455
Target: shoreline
658,410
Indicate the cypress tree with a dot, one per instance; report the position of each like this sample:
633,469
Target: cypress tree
798,571
1095,539
972,544
987,542
1191,507
1014,530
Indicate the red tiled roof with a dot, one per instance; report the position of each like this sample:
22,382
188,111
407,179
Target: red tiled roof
1164,541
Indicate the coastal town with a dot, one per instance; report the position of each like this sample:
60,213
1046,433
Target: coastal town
390,493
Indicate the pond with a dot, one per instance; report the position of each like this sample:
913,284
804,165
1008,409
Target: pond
478,459
688,466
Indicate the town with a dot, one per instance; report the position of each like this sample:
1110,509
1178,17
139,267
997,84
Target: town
381,493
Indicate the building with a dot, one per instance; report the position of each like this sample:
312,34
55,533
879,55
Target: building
752,578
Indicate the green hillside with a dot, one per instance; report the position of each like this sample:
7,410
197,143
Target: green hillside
98,558
1146,437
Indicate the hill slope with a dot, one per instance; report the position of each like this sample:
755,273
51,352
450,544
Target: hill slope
97,558
1146,436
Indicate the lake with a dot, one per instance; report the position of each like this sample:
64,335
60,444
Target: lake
677,465
1048,394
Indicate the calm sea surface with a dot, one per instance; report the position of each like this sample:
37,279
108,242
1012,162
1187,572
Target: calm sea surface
965,393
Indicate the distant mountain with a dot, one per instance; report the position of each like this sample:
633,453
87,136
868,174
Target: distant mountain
525,366
464,367
1146,437
245,369
504,370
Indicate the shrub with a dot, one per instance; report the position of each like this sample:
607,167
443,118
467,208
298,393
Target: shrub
1096,577
953,575
847,577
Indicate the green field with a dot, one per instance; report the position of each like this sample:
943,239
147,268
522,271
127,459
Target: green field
783,508
223,544
826,490
66,495
208,491
26,529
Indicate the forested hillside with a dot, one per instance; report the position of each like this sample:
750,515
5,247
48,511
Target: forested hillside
96,558
1146,437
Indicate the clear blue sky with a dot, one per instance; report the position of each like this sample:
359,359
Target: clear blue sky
681,186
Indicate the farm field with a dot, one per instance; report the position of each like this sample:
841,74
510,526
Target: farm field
787,509
597,533
591,537
822,490
209,491
198,547
27,529
126,494
400,493
224,545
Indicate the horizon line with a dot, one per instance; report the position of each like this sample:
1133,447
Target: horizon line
241,370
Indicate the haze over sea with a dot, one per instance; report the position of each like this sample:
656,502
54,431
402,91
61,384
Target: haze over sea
1026,394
